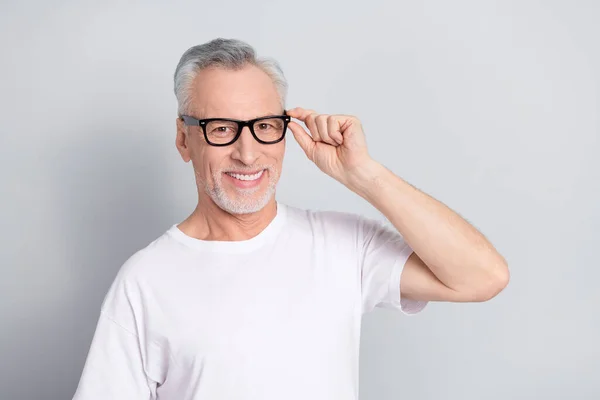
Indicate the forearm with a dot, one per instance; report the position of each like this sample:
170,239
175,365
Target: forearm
457,253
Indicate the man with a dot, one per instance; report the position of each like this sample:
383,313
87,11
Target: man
251,299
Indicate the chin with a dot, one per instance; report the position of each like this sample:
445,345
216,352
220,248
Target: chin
253,203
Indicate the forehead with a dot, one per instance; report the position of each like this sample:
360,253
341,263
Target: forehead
241,94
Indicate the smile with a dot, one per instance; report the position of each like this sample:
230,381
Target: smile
245,177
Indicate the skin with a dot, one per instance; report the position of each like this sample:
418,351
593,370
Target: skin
452,260
244,94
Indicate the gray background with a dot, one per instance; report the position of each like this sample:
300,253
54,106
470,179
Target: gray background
491,107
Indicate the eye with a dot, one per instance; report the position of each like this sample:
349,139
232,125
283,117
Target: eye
221,128
263,126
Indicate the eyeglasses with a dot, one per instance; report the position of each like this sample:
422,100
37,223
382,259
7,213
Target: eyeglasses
223,131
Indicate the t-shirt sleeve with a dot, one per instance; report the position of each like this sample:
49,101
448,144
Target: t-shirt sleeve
114,368
123,362
382,258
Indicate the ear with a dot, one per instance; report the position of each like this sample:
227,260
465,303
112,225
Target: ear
182,140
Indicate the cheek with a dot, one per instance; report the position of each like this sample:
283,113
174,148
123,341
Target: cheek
278,154
207,162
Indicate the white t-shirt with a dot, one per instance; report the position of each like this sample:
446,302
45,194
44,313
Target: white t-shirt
274,317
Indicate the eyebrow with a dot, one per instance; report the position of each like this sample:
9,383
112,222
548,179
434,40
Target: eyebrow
238,119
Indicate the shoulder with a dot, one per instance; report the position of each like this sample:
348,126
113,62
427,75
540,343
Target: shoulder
143,267
341,222
148,259
308,217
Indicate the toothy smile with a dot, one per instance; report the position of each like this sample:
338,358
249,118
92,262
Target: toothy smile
246,177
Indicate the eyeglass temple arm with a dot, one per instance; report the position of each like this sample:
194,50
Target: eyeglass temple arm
190,120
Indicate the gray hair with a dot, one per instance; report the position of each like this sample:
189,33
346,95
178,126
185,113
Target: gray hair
230,54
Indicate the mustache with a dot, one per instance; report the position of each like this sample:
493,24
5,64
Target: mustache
243,169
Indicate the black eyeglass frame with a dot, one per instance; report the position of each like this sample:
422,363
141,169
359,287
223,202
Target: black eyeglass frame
191,121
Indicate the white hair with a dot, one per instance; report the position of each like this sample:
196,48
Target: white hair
224,53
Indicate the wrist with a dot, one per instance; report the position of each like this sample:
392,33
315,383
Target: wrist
366,179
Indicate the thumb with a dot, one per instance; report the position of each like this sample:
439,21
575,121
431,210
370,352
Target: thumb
303,138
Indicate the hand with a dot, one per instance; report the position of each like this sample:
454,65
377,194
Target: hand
336,143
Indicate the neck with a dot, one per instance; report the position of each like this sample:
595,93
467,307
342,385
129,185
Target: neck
210,222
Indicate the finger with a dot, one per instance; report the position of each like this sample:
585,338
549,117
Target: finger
334,129
300,113
311,124
321,122
303,138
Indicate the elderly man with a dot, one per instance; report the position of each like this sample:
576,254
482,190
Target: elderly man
251,299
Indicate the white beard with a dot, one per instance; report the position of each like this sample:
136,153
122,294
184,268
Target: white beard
246,201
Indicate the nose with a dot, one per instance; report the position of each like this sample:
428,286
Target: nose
246,148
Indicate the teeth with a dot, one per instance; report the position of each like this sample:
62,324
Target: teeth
246,177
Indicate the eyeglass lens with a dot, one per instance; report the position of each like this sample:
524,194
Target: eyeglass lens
267,130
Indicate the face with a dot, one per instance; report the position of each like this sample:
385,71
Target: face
239,178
